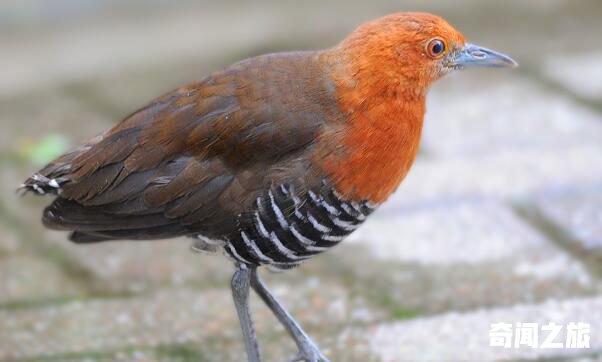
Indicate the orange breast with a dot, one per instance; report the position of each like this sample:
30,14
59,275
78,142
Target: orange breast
379,146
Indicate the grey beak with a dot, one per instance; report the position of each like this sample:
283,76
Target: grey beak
476,56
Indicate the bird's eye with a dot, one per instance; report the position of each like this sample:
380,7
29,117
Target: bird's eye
436,48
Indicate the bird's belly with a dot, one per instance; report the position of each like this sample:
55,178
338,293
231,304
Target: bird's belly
287,226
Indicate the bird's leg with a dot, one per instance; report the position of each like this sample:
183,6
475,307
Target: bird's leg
308,350
240,293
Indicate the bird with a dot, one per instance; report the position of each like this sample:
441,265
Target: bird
270,161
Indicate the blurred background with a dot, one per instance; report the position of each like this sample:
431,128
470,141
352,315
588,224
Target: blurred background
499,221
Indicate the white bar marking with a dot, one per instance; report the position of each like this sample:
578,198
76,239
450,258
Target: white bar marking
261,228
334,238
255,249
235,254
284,250
278,212
316,224
309,244
320,201
345,225
209,241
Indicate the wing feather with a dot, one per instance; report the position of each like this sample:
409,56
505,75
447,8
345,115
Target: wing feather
190,160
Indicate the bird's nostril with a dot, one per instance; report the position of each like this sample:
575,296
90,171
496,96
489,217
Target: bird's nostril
479,54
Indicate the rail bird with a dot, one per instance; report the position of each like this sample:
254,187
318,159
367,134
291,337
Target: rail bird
272,160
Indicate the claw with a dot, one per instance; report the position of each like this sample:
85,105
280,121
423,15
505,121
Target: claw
310,354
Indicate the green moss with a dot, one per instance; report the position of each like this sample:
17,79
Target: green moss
400,313
26,304
180,353
41,303
171,353
397,311
45,149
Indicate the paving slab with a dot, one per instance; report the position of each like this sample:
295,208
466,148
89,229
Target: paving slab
508,174
205,320
108,324
458,256
42,114
580,73
30,279
115,267
470,232
578,212
113,44
465,336
140,266
9,243
168,353
95,39
577,216
482,113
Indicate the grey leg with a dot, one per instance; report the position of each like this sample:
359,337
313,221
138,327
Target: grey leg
308,350
240,293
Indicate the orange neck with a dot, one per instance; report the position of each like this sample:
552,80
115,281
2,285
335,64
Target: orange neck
381,136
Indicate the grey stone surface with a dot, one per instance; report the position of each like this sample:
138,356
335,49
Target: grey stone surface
104,37
580,73
25,279
461,232
8,242
135,267
204,320
507,174
43,114
408,290
576,217
459,256
473,114
78,326
110,46
439,338
579,213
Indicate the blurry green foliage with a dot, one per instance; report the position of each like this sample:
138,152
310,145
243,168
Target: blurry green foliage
44,150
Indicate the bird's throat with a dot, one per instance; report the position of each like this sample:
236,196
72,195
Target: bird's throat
380,145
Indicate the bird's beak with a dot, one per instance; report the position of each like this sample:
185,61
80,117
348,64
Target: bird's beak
472,55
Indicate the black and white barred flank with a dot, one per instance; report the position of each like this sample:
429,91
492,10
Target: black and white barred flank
286,229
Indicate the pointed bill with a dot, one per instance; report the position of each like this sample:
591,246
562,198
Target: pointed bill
471,56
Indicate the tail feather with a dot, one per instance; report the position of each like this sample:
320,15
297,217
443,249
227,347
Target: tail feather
85,238
41,184
65,214
144,234
53,176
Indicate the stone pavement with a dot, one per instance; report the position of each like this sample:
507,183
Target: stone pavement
500,220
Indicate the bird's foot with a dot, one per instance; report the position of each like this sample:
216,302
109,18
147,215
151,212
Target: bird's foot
309,352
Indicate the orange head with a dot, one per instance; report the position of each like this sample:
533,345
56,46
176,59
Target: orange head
382,72
412,50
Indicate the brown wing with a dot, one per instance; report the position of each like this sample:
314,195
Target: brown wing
193,159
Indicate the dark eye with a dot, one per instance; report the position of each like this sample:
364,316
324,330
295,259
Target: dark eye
436,48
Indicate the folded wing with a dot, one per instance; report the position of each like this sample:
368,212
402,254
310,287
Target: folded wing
187,163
